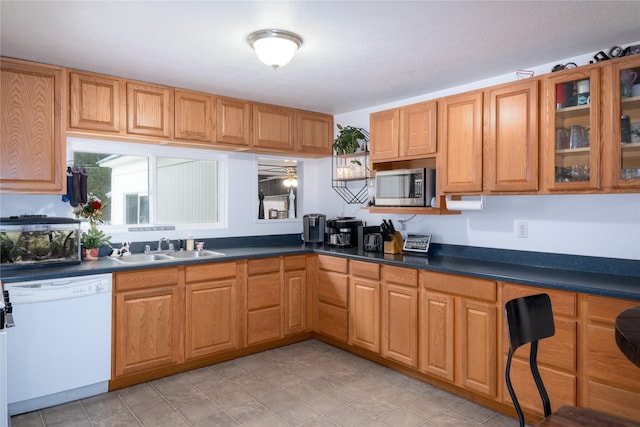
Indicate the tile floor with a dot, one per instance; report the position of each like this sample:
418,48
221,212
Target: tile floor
305,384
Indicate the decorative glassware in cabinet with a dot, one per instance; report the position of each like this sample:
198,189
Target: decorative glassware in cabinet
572,160
630,123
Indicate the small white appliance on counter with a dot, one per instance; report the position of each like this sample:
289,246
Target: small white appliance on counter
60,348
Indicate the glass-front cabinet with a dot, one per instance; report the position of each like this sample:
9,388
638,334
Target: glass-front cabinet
621,136
573,160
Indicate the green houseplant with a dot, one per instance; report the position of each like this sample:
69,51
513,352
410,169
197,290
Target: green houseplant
93,238
348,140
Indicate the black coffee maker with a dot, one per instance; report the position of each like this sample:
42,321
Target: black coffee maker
342,231
314,228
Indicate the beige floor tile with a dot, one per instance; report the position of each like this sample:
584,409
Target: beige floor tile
308,384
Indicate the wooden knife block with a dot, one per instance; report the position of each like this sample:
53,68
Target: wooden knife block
395,245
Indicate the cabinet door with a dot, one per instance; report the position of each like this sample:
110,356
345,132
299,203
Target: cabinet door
384,132
400,323
572,130
94,102
436,334
511,142
418,130
612,382
273,127
233,121
621,125
32,149
364,313
315,133
147,324
477,350
295,301
193,116
460,127
149,110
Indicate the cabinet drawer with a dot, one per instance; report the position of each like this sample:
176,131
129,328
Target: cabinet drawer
263,265
263,325
263,291
148,278
367,270
298,262
562,303
606,362
472,287
198,273
400,275
562,387
333,288
613,400
333,321
330,263
605,309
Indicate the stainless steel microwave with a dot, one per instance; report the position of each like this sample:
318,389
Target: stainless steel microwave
405,187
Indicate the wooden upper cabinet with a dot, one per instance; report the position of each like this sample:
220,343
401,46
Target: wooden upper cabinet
32,147
511,137
149,110
418,130
273,127
194,115
94,102
233,121
315,133
404,133
460,127
384,126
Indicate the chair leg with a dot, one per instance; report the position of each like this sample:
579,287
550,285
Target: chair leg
512,393
533,361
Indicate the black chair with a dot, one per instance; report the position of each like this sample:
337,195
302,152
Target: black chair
530,319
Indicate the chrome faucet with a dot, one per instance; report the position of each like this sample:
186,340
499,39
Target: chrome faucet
165,239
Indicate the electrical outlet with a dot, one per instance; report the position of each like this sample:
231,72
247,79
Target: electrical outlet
523,230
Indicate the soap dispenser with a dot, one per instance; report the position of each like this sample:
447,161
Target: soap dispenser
190,242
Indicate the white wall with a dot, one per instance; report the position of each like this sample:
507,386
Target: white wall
595,225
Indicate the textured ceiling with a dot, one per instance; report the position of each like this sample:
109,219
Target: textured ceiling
355,54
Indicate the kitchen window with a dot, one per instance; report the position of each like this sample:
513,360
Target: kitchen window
150,186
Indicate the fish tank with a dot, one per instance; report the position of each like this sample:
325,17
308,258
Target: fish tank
38,241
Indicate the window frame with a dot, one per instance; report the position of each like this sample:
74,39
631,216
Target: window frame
152,152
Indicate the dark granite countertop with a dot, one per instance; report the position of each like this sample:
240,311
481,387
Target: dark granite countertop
625,285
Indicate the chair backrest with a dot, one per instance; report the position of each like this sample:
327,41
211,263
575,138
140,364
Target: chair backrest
529,319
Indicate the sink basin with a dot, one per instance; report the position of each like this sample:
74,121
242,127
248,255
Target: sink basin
195,254
142,258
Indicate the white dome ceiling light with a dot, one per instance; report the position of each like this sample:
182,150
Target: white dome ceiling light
275,47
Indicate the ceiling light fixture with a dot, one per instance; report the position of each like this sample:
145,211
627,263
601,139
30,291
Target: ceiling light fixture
275,47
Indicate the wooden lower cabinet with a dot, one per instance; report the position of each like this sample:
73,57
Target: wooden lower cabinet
557,355
147,320
458,335
295,294
364,305
611,382
264,300
211,310
331,315
400,314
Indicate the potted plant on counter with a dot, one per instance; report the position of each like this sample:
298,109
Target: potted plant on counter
92,239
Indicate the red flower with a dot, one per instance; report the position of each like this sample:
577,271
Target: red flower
96,205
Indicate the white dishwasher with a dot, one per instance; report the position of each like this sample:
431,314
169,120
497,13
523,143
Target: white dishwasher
60,348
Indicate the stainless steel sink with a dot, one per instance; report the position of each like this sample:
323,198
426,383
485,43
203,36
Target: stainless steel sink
195,254
142,258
